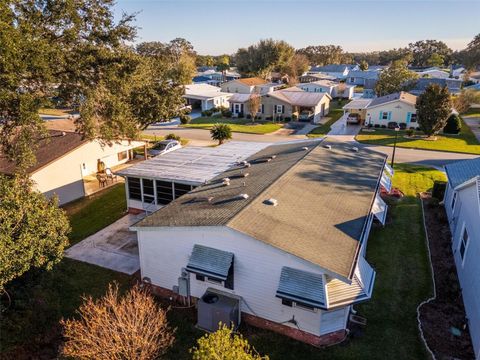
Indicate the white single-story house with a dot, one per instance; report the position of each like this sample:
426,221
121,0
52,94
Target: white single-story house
156,182
244,245
205,96
398,107
433,73
332,88
64,159
339,71
462,204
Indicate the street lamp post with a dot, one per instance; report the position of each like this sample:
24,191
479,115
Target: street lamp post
397,129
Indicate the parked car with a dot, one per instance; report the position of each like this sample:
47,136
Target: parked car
305,115
163,147
353,119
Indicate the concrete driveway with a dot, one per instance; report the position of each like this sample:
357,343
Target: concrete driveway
114,247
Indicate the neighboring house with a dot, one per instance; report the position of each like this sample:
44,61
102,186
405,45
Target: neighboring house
457,71
306,78
358,77
282,248
433,73
65,159
454,85
473,87
243,86
283,104
239,104
462,204
205,96
332,88
156,182
398,107
337,71
357,106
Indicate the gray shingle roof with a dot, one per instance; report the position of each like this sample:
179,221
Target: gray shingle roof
324,197
402,96
364,74
452,84
462,171
330,68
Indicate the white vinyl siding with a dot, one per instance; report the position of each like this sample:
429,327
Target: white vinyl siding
165,251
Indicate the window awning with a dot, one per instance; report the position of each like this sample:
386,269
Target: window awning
389,170
210,262
340,293
386,182
379,209
301,286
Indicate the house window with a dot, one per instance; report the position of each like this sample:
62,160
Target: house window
463,243
279,109
290,303
384,115
200,277
134,191
413,118
164,192
454,199
262,109
352,80
122,155
148,191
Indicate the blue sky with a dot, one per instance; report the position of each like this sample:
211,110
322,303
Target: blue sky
216,27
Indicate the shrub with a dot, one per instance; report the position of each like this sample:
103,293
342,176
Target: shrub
412,127
114,327
269,118
241,115
383,126
287,119
172,136
438,190
227,113
207,113
258,117
294,117
249,117
392,124
221,132
224,344
454,125
369,125
402,126
377,125
185,119
410,132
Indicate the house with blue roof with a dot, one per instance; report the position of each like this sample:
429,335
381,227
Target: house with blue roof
358,77
454,86
338,71
462,204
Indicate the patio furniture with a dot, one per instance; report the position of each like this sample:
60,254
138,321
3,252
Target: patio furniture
110,174
102,179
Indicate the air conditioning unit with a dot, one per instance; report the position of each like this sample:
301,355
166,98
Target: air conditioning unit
215,308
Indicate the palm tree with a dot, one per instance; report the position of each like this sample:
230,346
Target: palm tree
221,132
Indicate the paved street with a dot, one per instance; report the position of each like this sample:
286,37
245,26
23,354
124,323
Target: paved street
201,137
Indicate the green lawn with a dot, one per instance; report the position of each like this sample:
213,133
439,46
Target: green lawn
30,327
398,254
334,114
237,125
465,142
91,214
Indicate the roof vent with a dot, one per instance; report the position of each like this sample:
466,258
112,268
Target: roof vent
329,147
241,197
271,201
305,148
355,149
208,199
225,179
226,182
64,133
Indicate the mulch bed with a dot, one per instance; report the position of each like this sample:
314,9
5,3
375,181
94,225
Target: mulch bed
447,310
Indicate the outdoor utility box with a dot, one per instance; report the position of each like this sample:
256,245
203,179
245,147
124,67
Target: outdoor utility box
215,308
